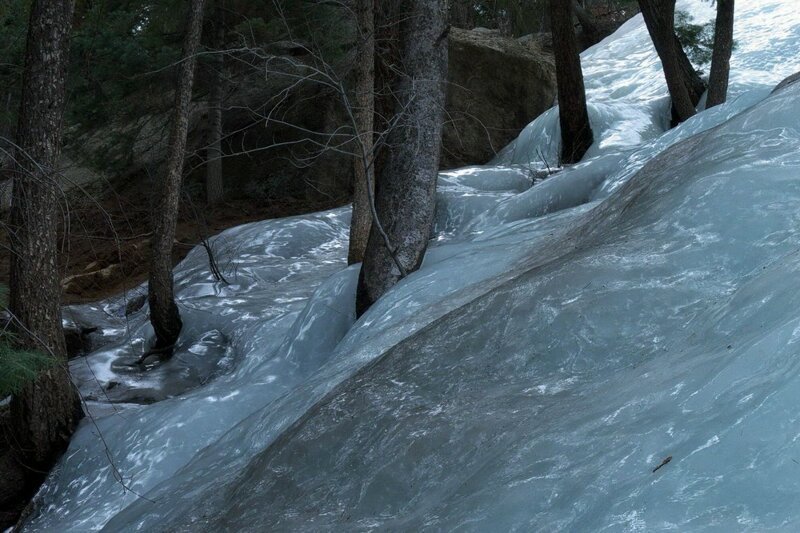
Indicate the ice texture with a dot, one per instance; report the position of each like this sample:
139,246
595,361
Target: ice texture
562,338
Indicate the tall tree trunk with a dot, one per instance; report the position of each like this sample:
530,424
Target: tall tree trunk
659,16
364,171
214,184
43,415
576,132
721,57
406,188
164,313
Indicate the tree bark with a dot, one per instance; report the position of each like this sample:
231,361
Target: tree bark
214,183
406,188
691,78
44,414
364,171
576,131
164,315
721,56
659,16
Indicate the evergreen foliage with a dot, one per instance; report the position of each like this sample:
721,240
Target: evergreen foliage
518,17
697,39
122,51
18,366
13,30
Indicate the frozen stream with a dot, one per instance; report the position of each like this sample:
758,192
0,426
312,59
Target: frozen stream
560,341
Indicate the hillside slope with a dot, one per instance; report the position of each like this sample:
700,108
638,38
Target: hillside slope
561,340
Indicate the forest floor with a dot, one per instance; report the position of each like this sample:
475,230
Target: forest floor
104,244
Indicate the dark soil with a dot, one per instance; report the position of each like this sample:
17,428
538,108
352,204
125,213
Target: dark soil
105,241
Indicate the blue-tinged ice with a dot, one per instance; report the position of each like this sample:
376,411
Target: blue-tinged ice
563,337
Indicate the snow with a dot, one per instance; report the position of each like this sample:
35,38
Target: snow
562,338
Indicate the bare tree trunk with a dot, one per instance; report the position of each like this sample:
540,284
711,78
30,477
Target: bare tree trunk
576,132
43,415
364,171
164,313
659,16
721,57
406,189
214,184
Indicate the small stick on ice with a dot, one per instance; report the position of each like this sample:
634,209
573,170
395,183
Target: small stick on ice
664,462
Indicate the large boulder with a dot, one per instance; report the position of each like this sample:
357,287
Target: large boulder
794,78
268,160
497,85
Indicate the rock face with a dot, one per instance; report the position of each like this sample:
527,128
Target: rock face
794,78
497,86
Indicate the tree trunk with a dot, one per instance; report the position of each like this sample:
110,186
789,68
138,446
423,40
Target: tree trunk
364,170
659,16
406,188
214,185
164,313
691,78
43,415
721,57
576,132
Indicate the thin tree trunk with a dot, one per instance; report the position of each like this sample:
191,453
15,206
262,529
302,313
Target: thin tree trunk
164,315
214,184
576,132
406,188
363,185
721,57
43,415
659,16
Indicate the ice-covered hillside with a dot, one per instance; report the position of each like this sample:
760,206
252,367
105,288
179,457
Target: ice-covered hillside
560,341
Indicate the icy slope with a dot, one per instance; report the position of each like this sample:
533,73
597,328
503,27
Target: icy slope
558,343
627,96
669,326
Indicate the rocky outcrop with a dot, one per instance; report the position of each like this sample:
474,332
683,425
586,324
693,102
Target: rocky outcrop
497,86
794,78
266,159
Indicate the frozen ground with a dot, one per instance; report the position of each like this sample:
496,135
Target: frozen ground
560,341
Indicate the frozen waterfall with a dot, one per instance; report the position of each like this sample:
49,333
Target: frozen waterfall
562,338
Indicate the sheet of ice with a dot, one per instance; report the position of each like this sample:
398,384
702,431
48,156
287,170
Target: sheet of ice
560,340
666,324
626,93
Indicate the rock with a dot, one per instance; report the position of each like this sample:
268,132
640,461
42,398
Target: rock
78,340
151,360
135,303
788,81
272,161
497,85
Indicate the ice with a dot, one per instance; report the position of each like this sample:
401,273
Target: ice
562,338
